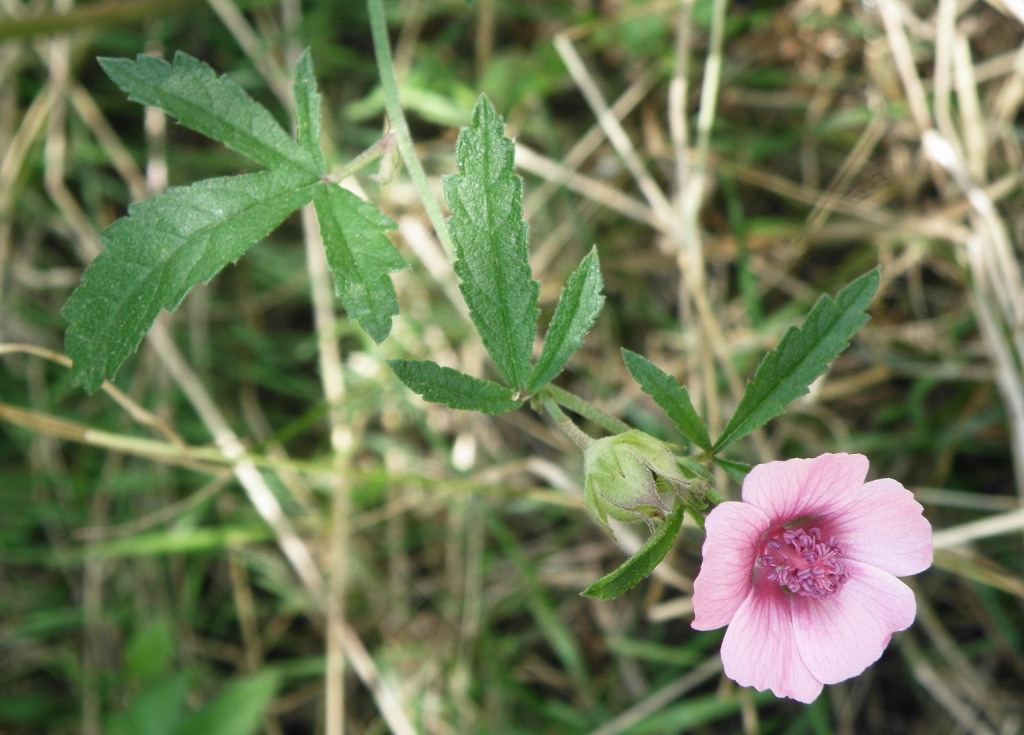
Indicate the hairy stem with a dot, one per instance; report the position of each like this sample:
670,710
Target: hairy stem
580,438
588,410
400,128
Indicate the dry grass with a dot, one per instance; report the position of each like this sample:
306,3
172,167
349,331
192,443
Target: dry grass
730,163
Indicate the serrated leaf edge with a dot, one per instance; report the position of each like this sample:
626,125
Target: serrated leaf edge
588,270
663,535
735,430
700,436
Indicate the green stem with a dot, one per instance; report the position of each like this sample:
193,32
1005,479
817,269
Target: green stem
588,410
364,159
403,137
571,430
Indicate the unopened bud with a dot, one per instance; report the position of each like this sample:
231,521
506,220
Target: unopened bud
625,475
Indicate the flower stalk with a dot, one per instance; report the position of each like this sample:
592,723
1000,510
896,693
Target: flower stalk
579,437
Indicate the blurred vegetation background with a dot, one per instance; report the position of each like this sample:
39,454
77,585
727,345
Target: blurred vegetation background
730,163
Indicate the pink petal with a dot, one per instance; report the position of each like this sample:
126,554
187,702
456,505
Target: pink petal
842,635
801,487
760,648
733,533
885,528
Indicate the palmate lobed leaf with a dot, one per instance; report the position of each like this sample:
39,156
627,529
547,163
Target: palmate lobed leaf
803,354
174,241
161,250
360,257
489,234
190,91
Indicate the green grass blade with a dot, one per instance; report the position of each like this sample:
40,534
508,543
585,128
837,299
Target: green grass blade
642,563
673,398
307,110
164,247
803,354
548,620
489,234
360,257
452,388
190,91
578,306
695,713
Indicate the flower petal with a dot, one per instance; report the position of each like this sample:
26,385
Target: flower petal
842,635
885,528
801,487
760,648
733,533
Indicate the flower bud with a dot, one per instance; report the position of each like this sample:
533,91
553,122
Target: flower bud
624,476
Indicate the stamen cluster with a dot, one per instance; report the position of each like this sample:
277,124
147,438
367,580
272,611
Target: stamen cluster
803,563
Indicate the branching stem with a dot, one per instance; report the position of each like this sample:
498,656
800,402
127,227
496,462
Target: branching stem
580,438
588,410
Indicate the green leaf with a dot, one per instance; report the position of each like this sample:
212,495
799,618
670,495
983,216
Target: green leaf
238,710
215,106
452,388
164,247
803,354
736,470
150,652
360,257
642,563
578,306
673,398
307,110
157,708
487,228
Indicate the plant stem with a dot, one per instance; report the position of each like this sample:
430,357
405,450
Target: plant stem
588,410
403,137
571,430
364,159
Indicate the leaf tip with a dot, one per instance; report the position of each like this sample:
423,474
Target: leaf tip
378,331
484,108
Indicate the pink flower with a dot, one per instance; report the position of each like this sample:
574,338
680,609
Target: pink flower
803,572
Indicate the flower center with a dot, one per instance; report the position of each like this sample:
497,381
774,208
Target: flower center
803,563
